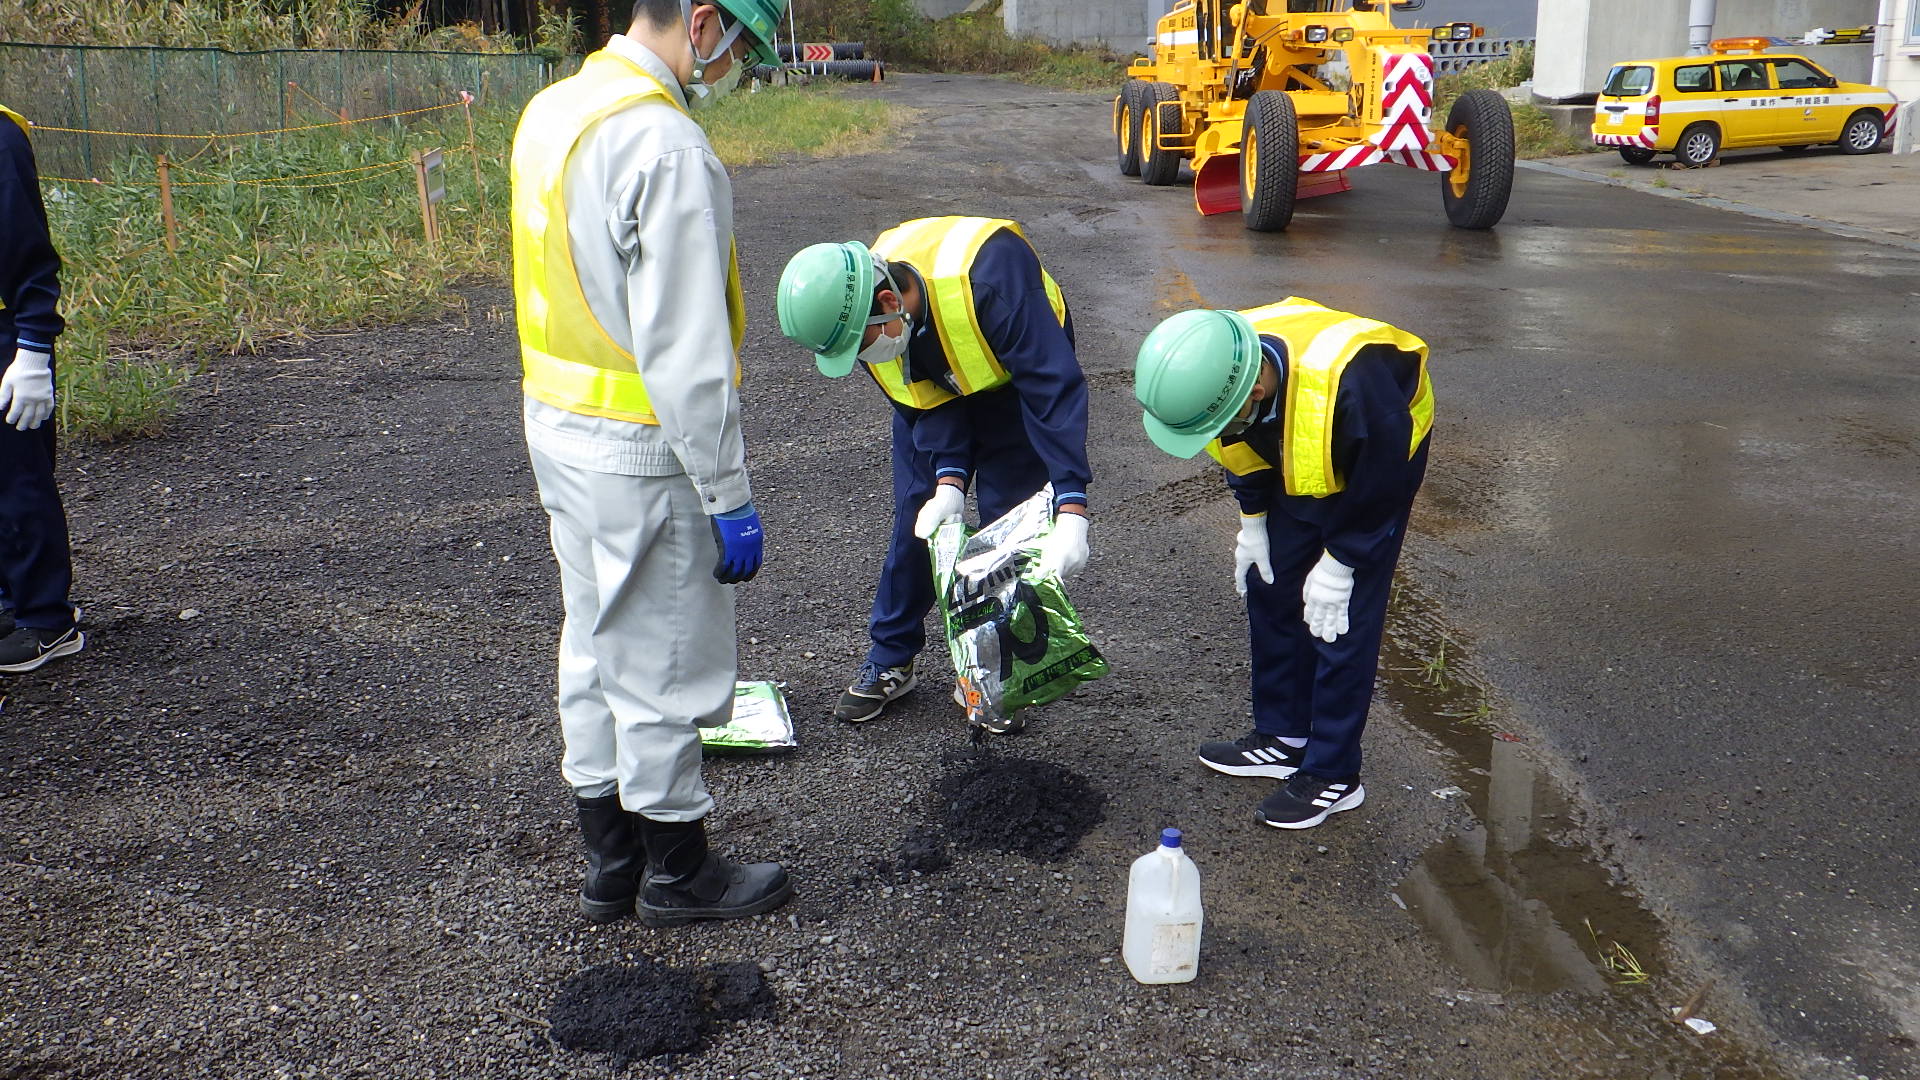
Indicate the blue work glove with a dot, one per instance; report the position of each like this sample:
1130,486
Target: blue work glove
737,534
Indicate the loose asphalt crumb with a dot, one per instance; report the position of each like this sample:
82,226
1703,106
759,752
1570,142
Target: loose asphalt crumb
1020,806
645,1009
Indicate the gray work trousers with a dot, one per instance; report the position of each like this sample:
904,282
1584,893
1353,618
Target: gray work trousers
647,652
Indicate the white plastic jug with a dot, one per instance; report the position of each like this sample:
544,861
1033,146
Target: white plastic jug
1162,943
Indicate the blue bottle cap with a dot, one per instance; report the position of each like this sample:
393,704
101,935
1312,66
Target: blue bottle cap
1169,837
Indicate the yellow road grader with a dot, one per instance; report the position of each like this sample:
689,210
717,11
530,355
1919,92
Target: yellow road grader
1249,92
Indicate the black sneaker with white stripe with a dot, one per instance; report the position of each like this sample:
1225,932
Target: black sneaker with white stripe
1252,754
1306,801
873,688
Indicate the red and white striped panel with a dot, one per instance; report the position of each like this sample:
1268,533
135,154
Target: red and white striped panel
1645,139
1351,158
1406,101
1423,160
1892,124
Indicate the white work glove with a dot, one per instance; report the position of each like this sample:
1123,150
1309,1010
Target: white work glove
26,392
1064,551
1329,587
946,505
1251,550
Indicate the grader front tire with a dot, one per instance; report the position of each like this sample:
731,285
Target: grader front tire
1269,161
1475,193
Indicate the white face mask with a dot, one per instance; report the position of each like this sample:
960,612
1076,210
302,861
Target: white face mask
886,348
703,95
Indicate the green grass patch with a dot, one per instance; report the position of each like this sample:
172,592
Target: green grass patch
818,120
265,264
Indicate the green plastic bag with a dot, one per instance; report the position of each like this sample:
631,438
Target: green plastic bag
1016,641
760,723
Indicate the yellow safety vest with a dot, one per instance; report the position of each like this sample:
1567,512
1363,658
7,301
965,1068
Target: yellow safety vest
569,359
1320,342
943,249
28,129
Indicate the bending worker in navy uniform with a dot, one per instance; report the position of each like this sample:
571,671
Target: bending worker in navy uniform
971,341
630,320
1321,420
36,568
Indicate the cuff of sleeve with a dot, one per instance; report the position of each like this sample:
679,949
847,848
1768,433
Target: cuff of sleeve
1069,497
725,495
952,470
30,345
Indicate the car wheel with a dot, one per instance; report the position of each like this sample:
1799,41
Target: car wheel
1635,155
1863,133
1475,191
1699,145
1269,161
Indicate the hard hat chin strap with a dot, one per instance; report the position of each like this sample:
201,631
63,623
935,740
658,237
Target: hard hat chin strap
700,63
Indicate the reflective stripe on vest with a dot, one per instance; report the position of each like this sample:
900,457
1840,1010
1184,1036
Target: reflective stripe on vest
943,250
569,359
1320,343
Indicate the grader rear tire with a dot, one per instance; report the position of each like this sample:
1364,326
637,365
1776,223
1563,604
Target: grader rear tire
1269,161
1126,127
1159,116
1475,193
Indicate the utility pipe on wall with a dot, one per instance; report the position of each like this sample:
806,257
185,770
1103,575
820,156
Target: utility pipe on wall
1882,40
1700,26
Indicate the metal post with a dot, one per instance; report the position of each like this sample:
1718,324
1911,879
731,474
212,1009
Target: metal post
80,86
1882,34
280,71
166,205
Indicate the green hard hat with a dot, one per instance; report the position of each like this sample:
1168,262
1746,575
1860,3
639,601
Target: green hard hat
1192,375
825,294
759,21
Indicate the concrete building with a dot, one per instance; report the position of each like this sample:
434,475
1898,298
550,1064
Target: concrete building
1897,65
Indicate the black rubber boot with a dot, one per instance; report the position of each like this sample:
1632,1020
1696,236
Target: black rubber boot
685,881
615,858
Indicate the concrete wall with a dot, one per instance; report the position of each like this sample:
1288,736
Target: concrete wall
1903,70
1580,39
940,9
1123,25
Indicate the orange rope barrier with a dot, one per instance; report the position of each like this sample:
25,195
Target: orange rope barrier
250,134
383,168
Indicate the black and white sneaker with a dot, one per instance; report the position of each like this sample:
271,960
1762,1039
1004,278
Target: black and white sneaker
1252,754
1306,801
27,647
872,689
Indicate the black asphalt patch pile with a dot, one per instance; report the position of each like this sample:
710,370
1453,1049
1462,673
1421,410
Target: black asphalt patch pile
645,1009
1021,807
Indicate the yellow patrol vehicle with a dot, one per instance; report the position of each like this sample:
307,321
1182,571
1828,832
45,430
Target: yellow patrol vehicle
1273,100
1738,95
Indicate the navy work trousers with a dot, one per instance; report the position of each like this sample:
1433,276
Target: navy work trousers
1305,688
1007,472
36,567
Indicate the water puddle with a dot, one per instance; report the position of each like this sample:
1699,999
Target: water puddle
1517,898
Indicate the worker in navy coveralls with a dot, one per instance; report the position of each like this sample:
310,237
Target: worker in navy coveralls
36,570
1321,419
971,341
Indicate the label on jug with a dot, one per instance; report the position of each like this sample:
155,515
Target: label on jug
1175,948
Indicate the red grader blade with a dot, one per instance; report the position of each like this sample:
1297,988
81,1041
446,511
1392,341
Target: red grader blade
1216,186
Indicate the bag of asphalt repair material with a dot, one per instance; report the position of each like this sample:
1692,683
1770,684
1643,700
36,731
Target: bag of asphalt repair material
1016,641
760,723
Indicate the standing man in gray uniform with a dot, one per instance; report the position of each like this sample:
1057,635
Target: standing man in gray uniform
630,320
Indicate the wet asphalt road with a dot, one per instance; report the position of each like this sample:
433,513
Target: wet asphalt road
1671,519
316,829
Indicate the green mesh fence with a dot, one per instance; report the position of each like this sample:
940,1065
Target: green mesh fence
202,91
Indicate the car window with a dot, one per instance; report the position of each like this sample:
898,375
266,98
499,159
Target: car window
1742,75
1697,79
1629,80
1798,75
